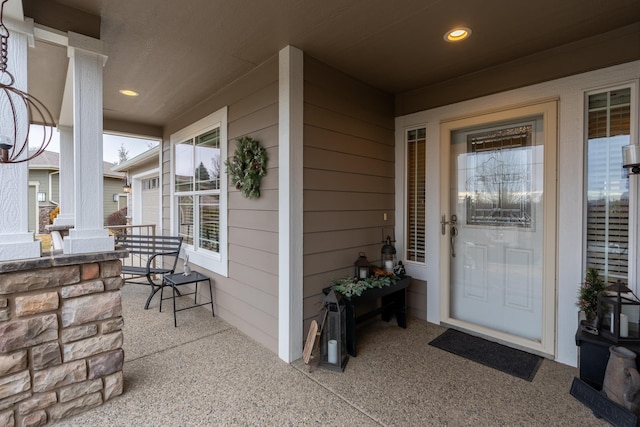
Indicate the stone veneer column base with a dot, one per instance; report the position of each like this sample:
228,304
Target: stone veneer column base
60,336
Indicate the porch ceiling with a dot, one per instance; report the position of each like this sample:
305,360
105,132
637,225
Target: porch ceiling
175,53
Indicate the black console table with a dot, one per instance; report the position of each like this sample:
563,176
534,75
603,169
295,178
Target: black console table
594,356
393,300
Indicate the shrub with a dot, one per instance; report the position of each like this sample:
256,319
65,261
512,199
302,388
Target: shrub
118,217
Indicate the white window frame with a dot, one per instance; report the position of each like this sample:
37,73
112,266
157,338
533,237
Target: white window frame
634,180
212,261
406,196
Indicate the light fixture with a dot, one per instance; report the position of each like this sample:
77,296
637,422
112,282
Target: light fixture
128,92
457,34
24,109
42,196
631,158
116,197
126,186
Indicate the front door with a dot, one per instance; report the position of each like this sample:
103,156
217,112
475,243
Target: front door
495,231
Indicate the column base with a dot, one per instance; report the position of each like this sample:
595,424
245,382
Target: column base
87,241
64,220
20,246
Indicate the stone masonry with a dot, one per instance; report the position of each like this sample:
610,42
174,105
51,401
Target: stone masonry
60,338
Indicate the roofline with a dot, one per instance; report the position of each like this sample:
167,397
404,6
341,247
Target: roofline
140,158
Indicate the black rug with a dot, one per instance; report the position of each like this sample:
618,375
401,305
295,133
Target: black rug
506,359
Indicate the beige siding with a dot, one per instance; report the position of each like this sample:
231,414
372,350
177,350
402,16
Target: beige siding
348,176
111,186
248,298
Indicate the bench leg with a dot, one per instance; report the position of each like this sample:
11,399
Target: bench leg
211,295
175,322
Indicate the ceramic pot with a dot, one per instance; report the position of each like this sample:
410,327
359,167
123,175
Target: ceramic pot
622,362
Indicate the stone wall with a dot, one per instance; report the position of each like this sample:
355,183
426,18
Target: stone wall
60,338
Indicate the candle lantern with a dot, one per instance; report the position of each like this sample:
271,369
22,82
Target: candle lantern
619,314
333,342
388,256
362,266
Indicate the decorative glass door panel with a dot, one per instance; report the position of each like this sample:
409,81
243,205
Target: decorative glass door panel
496,256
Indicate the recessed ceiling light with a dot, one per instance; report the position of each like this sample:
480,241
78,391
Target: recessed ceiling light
457,34
128,92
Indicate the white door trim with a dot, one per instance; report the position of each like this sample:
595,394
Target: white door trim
548,111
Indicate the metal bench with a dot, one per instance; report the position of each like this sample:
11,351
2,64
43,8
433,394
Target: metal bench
151,247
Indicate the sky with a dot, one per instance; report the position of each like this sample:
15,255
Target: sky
110,144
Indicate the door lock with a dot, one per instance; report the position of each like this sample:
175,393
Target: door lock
444,223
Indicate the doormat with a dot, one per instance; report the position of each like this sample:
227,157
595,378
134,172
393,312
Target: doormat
497,356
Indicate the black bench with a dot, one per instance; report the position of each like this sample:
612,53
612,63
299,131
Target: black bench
152,247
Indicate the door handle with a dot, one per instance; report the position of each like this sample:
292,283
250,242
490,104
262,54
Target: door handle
454,233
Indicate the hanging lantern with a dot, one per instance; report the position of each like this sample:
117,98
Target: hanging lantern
362,266
619,315
24,109
333,343
388,256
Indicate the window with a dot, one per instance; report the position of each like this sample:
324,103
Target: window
150,184
416,182
199,202
607,183
498,192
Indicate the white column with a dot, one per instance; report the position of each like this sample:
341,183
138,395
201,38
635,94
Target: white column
16,242
66,198
86,61
290,207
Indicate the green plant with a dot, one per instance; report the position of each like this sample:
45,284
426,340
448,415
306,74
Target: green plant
350,286
592,286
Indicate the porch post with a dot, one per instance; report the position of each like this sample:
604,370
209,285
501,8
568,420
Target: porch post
86,61
66,202
290,207
16,242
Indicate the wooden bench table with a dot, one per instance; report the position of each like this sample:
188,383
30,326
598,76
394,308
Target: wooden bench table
393,300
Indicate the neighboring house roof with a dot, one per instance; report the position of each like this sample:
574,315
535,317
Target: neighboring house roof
137,160
51,160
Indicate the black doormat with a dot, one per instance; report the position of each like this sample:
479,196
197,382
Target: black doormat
506,359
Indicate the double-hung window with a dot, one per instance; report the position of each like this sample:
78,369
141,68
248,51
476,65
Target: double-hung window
199,191
609,124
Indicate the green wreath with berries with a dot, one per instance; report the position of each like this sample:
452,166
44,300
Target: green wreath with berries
247,166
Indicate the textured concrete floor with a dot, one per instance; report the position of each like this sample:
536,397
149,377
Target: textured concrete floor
207,373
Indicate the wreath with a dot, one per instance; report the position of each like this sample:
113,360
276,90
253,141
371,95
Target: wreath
247,167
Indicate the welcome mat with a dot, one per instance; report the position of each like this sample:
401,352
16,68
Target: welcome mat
506,359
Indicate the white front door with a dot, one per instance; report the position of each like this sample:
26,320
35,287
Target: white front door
496,229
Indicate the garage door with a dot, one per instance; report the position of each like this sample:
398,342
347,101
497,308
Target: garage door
150,202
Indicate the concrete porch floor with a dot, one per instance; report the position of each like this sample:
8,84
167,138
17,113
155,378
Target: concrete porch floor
207,373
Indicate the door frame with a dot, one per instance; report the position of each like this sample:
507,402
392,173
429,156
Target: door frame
548,110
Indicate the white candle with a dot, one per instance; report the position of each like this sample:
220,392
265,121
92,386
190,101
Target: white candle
332,354
612,323
363,273
388,265
624,325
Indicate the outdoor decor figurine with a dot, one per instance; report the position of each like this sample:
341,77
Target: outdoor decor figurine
186,268
247,167
621,379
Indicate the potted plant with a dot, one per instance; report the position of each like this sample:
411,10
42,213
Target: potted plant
592,286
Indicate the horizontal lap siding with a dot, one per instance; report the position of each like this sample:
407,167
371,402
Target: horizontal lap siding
348,176
248,298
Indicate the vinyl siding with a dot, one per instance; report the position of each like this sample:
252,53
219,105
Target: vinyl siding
348,176
248,298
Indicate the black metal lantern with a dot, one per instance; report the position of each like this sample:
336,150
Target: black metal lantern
362,266
388,256
333,342
619,315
